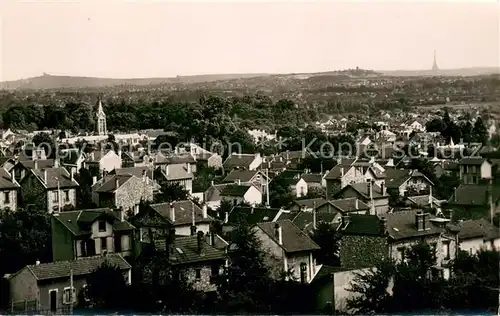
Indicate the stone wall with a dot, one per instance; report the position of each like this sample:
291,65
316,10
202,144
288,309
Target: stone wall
132,192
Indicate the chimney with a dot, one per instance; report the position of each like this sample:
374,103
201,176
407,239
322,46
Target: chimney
382,188
166,170
212,183
426,221
35,163
287,155
278,234
455,194
72,174
172,212
188,168
204,210
431,200
94,180
193,230
490,202
370,189
56,162
226,217
144,176
383,225
238,181
419,220
12,178
45,176
200,242
356,204
117,183
37,262
341,171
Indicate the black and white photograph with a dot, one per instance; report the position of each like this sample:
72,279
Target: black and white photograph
231,157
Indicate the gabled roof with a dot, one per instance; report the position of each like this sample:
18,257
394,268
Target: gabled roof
476,161
337,172
70,157
135,171
79,222
177,172
312,177
109,183
6,180
183,212
175,159
293,239
80,267
238,161
242,175
310,203
41,163
361,224
236,190
362,189
397,177
252,215
56,177
349,205
479,228
304,220
185,251
402,225
474,194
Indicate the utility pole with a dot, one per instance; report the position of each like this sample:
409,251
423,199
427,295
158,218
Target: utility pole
58,196
71,291
267,188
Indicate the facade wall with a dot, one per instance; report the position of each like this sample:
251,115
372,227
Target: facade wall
11,203
205,282
33,192
253,196
341,283
185,230
63,246
66,201
274,255
23,286
486,170
381,205
360,251
110,162
44,293
130,194
215,161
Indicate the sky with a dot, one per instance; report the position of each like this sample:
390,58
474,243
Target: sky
147,38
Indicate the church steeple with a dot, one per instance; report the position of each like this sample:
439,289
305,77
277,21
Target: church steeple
435,65
101,119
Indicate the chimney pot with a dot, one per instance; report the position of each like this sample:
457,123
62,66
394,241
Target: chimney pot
226,217
383,225
35,164
204,210
117,183
37,262
12,177
172,212
166,170
356,204
94,180
72,174
200,242
45,176
188,168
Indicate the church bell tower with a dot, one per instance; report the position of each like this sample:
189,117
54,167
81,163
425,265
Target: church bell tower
435,65
101,119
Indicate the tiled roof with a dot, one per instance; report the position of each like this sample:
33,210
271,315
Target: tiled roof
294,240
183,212
6,180
310,203
41,163
177,172
472,161
360,224
56,177
185,251
296,154
304,220
213,192
235,190
312,177
238,161
349,204
174,159
70,157
242,175
474,194
251,215
79,222
135,171
480,228
401,225
84,266
290,215
336,172
362,189
109,182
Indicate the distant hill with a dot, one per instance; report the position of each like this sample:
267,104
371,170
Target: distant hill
465,72
56,82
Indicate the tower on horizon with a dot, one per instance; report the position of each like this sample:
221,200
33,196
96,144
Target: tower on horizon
435,65
101,119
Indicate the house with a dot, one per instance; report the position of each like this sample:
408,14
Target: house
23,167
314,180
139,172
250,216
212,196
53,189
472,201
100,162
124,191
408,182
255,177
476,235
368,239
72,159
179,215
176,173
209,159
308,205
185,159
9,190
47,286
309,221
242,161
474,170
298,187
372,195
199,260
241,193
288,249
86,233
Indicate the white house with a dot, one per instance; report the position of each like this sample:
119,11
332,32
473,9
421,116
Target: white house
242,193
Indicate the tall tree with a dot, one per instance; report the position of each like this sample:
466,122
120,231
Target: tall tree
327,237
106,288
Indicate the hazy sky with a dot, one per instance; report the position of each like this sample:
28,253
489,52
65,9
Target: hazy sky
146,38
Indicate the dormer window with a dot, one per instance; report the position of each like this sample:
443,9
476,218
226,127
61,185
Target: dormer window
102,226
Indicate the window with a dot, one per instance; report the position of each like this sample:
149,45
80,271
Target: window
401,253
102,226
446,250
474,179
215,273
56,196
69,295
66,195
197,274
104,244
7,197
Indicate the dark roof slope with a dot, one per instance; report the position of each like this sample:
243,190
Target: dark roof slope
360,224
401,225
252,215
41,163
480,228
474,194
109,183
294,240
185,251
56,177
239,174
183,212
6,180
349,204
79,222
238,161
235,190
477,161
84,266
